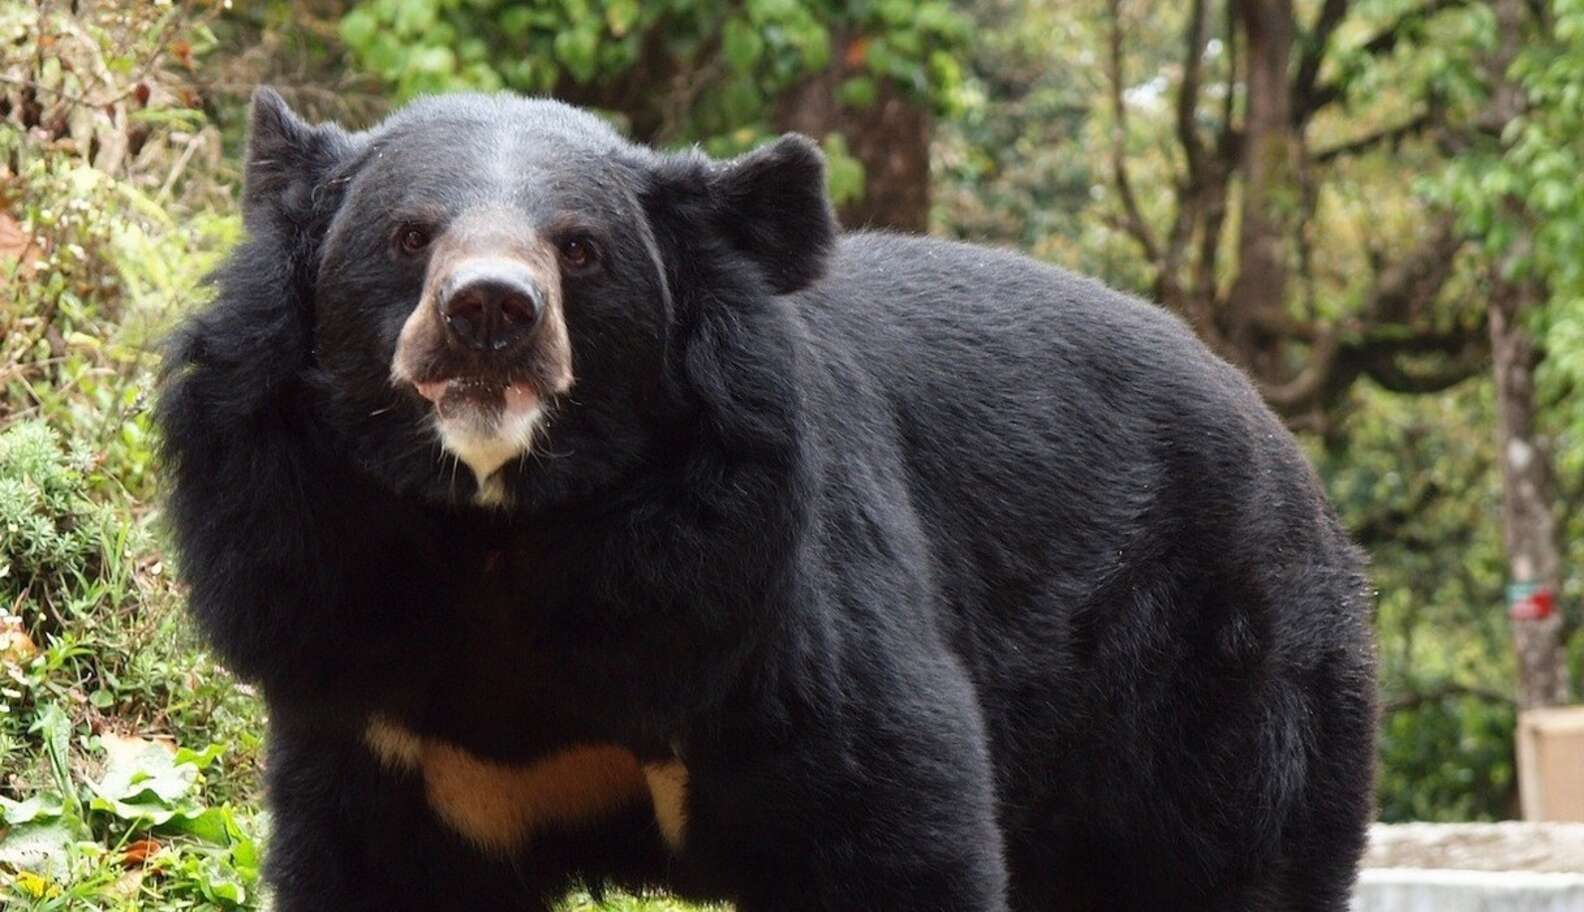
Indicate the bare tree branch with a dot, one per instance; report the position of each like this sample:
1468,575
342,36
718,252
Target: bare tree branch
1396,339
1190,195
1387,369
1388,135
1227,141
1385,525
1315,45
1302,392
1407,286
1135,223
1415,699
1188,94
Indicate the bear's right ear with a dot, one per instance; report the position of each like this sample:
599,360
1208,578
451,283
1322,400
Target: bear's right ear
287,159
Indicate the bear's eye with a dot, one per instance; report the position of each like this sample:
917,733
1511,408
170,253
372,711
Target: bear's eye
578,251
412,239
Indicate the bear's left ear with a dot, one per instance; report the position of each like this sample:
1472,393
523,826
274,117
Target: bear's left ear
771,206
287,159
767,206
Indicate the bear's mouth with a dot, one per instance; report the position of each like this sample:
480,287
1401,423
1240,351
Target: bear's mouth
485,422
455,396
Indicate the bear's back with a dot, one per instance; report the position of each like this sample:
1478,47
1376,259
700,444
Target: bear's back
1073,435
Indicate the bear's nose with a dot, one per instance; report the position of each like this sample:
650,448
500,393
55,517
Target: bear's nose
489,305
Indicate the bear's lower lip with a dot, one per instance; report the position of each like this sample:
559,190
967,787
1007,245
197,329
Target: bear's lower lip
461,392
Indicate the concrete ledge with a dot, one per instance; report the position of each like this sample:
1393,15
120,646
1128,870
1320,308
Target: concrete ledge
1410,890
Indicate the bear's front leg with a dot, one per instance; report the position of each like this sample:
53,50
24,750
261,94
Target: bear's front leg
879,796
353,833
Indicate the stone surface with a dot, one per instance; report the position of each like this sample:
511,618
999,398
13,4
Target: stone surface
1409,890
1510,846
1474,867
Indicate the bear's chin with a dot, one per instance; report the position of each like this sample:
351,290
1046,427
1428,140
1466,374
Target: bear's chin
485,425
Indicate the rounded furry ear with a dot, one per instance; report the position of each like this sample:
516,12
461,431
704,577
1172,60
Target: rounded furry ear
286,159
772,207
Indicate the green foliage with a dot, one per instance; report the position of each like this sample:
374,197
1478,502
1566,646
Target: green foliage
109,219
139,827
1010,167
1448,760
1521,199
80,331
49,530
756,48
98,638
1413,479
677,71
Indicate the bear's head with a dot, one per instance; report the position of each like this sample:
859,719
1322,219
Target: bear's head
507,301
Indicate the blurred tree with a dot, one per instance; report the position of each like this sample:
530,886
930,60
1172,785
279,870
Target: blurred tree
1012,167
863,77
1509,215
1251,164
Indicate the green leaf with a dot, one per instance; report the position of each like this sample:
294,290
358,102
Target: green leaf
201,759
858,92
844,174
56,729
435,60
358,27
415,17
620,15
39,807
40,846
575,49
813,42
213,825
767,10
146,812
137,769
741,44
218,882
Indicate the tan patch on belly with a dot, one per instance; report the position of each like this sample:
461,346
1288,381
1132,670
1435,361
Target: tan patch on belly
668,784
396,747
498,806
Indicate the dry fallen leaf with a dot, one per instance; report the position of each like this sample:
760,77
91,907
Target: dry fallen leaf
16,647
17,244
139,851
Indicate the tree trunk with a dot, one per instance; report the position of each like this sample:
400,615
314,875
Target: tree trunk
1268,169
1533,556
889,137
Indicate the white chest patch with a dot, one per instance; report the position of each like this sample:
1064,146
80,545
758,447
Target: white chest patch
484,449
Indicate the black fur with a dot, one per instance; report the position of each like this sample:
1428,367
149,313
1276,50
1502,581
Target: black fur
956,581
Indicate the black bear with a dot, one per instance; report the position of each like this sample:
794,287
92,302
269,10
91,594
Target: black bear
593,514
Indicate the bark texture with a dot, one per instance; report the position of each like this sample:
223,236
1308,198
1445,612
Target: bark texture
1529,525
890,137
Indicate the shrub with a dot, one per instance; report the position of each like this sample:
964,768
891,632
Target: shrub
50,532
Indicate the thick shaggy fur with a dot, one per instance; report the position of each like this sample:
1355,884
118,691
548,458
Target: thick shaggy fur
955,581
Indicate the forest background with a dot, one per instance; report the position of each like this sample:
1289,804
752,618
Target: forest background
1371,206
